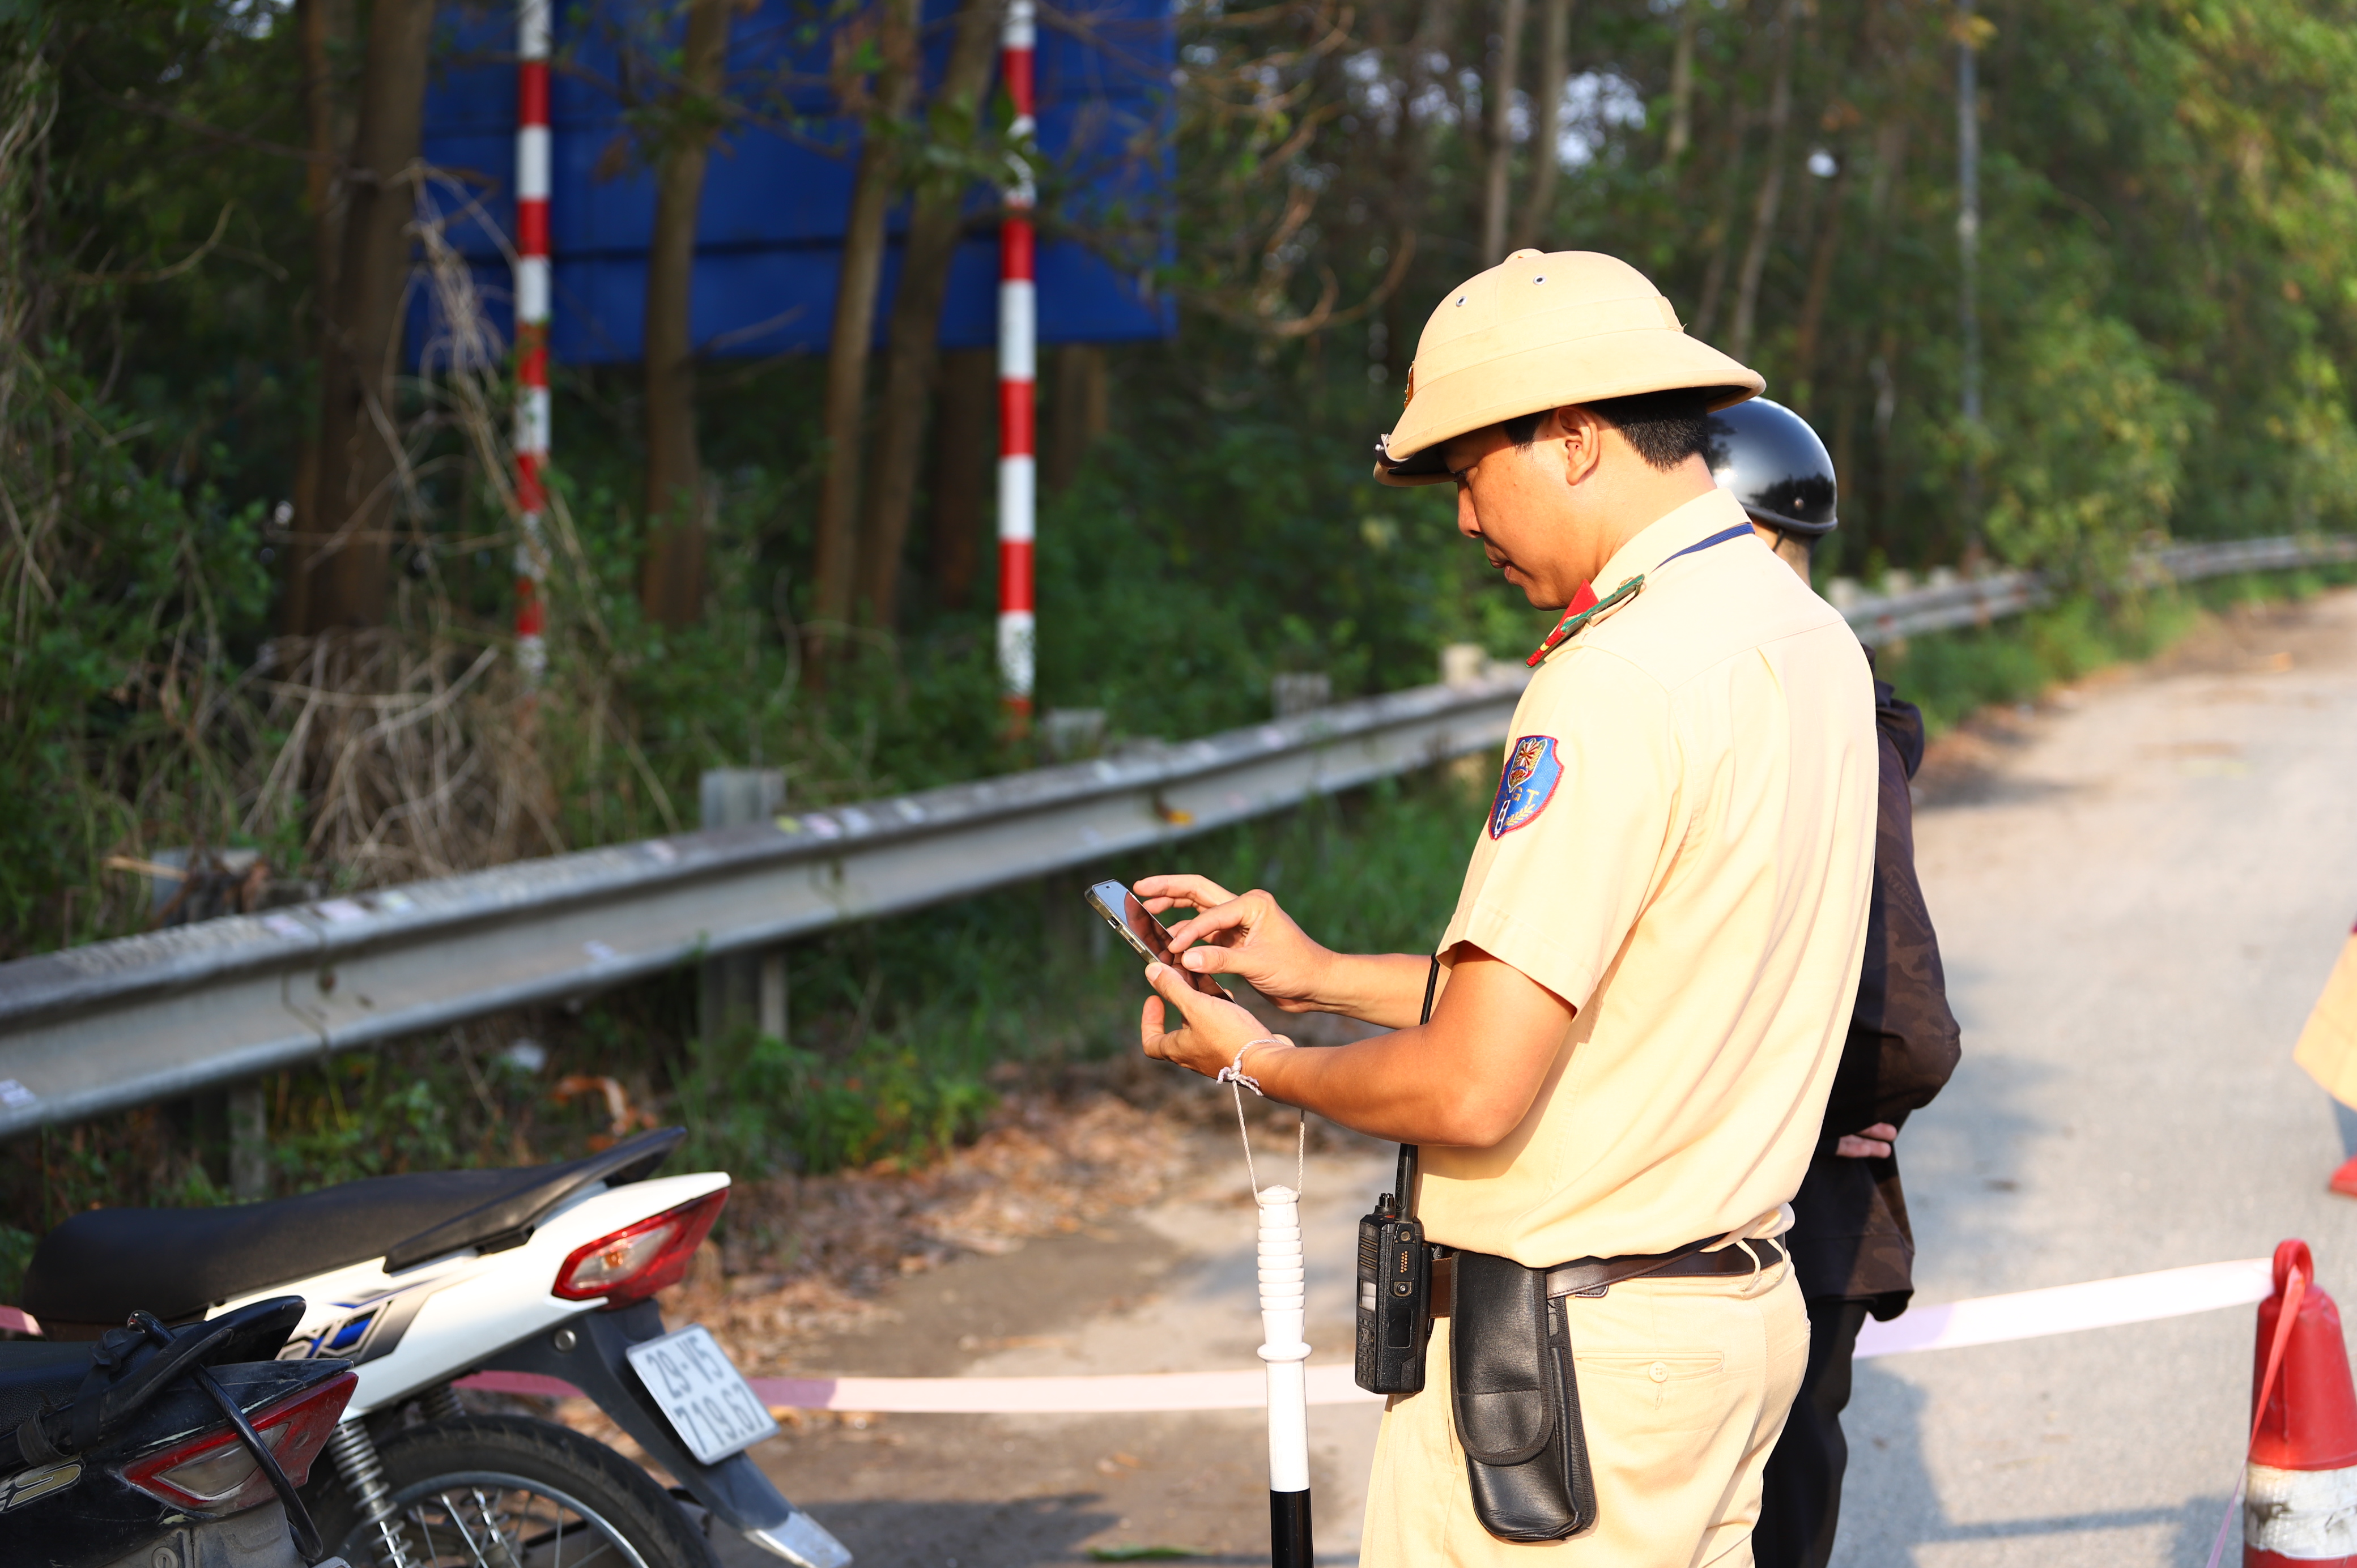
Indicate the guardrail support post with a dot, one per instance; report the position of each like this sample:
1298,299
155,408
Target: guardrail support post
249,1143
749,985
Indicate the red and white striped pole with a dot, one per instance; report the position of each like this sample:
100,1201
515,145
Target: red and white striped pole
531,329
1017,370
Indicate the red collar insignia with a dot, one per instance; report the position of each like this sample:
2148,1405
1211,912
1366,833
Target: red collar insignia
1583,607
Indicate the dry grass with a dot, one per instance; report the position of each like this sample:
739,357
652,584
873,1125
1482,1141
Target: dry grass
412,755
365,757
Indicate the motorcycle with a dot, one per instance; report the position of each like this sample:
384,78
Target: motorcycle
157,1448
423,1280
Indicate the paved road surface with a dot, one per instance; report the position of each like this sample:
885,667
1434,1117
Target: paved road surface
2138,904
2140,889
1171,1290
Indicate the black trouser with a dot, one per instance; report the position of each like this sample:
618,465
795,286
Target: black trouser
1800,1498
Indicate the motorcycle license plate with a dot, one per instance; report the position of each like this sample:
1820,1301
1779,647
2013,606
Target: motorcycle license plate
707,1401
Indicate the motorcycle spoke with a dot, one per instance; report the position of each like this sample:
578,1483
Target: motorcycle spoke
482,1528
477,1542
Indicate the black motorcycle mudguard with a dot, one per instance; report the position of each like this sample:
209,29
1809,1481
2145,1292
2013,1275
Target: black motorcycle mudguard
735,1490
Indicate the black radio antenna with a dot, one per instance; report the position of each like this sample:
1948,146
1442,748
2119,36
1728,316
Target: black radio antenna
1404,1184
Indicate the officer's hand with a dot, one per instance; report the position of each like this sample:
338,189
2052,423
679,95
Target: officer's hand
1873,1144
1211,1030
1183,892
1248,937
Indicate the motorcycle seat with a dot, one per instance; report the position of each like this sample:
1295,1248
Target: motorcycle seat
93,1270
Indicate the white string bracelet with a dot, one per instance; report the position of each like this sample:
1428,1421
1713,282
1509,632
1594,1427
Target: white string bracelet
1235,1072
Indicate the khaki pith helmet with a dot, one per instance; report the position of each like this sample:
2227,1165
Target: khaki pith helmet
1544,330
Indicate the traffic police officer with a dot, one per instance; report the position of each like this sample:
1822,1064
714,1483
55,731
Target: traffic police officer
1852,1251
1658,939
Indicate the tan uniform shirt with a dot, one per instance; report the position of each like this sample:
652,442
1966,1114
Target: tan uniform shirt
2328,1047
1681,848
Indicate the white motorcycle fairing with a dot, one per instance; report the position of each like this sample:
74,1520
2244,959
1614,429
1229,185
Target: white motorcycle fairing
410,1331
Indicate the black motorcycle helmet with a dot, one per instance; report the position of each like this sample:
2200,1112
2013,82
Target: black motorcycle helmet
1768,459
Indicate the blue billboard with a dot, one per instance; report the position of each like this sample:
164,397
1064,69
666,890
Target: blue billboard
778,184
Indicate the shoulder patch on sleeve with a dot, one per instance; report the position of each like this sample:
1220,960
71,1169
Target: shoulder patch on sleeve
1533,770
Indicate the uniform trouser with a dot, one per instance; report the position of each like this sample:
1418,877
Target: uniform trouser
1682,1386
1801,1500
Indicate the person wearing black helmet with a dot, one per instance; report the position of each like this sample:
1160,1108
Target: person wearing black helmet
1850,1244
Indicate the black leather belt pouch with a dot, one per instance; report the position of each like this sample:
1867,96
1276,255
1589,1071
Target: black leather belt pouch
1517,1402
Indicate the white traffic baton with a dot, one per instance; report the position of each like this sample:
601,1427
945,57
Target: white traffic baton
1284,1298
1282,1301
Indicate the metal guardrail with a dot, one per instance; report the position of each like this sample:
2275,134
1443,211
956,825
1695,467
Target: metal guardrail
98,1028
1969,601
1976,601
2188,562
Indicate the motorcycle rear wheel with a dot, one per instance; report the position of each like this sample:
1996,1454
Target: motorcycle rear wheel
503,1491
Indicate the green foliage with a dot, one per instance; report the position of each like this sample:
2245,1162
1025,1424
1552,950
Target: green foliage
114,671
134,589
15,1257
1177,599
2085,459
757,1103
371,1117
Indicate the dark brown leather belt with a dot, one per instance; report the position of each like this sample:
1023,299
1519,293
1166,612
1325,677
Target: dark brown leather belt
1594,1276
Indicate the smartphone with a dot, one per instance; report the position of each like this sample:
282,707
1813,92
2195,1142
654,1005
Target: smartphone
1141,930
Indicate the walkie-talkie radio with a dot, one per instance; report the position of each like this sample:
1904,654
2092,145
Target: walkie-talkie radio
1394,1292
1395,1319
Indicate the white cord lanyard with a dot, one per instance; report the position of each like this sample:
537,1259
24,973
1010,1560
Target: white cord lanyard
1234,1075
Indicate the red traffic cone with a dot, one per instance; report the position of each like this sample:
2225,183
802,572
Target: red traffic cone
2299,1504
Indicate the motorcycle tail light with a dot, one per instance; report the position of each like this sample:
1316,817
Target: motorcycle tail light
639,1260
215,1473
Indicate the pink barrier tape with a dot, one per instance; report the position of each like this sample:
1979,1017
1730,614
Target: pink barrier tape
1985,1320
2065,1309
1109,1394
531,1383
1112,1394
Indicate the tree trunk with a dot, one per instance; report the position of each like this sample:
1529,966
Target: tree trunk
1547,162
1502,133
964,440
1720,234
1411,186
1821,279
1681,134
854,326
671,581
1771,185
1079,413
912,352
324,31
1466,176
346,577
